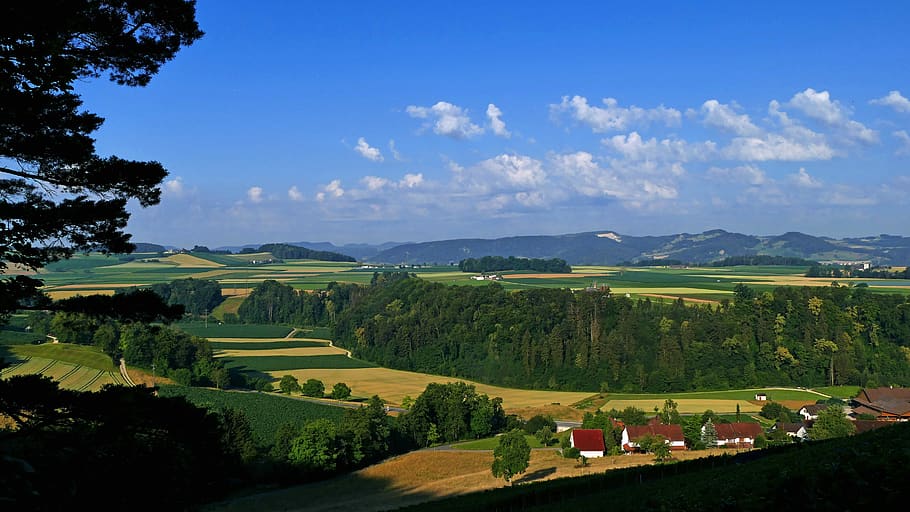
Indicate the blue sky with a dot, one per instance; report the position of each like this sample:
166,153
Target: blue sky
410,121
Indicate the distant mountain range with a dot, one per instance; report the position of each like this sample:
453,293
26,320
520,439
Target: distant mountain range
610,248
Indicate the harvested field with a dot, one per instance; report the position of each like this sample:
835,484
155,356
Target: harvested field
190,261
394,385
685,406
236,292
562,412
423,476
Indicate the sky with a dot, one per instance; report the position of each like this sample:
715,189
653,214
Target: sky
368,122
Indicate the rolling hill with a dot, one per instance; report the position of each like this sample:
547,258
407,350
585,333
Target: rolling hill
610,248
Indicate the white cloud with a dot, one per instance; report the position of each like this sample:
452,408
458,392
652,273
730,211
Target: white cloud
513,171
744,173
635,184
719,115
496,124
633,147
374,182
450,120
367,151
893,100
411,180
777,147
394,150
174,186
254,194
294,194
819,106
803,179
612,117
904,139
333,189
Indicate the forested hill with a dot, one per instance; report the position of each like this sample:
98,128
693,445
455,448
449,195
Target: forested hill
610,248
292,252
560,339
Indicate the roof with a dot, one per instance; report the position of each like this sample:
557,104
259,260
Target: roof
894,401
883,393
867,425
671,432
789,427
588,439
814,409
737,430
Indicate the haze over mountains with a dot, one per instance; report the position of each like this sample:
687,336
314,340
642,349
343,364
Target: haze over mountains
610,248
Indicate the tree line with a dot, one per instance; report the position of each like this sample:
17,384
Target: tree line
499,263
842,271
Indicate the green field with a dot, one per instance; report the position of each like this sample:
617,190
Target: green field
266,412
490,443
213,330
842,392
265,345
282,363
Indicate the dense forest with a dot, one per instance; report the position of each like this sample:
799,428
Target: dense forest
560,339
499,263
197,296
293,252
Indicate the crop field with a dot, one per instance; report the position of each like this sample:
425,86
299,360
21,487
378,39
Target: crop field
305,351
94,273
717,401
246,344
394,385
266,412
273,363
69,375
77,354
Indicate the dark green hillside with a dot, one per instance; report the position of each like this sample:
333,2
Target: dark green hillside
292,252
865,472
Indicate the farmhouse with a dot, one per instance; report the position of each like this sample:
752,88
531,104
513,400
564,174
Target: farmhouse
736,435
589,441
796,430
810,412
672,433
885,404
761,397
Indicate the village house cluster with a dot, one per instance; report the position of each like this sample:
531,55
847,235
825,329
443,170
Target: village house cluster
885,405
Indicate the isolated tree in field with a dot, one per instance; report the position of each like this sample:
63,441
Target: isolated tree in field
831,423
57,195
544,435
341,391
512,456
289,384
314,388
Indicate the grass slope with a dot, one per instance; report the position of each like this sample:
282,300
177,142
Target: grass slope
864,472
77,354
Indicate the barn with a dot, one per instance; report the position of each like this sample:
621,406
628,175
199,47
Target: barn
589,441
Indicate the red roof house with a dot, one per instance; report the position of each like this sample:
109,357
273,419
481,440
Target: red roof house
589,441
737,435
672,433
